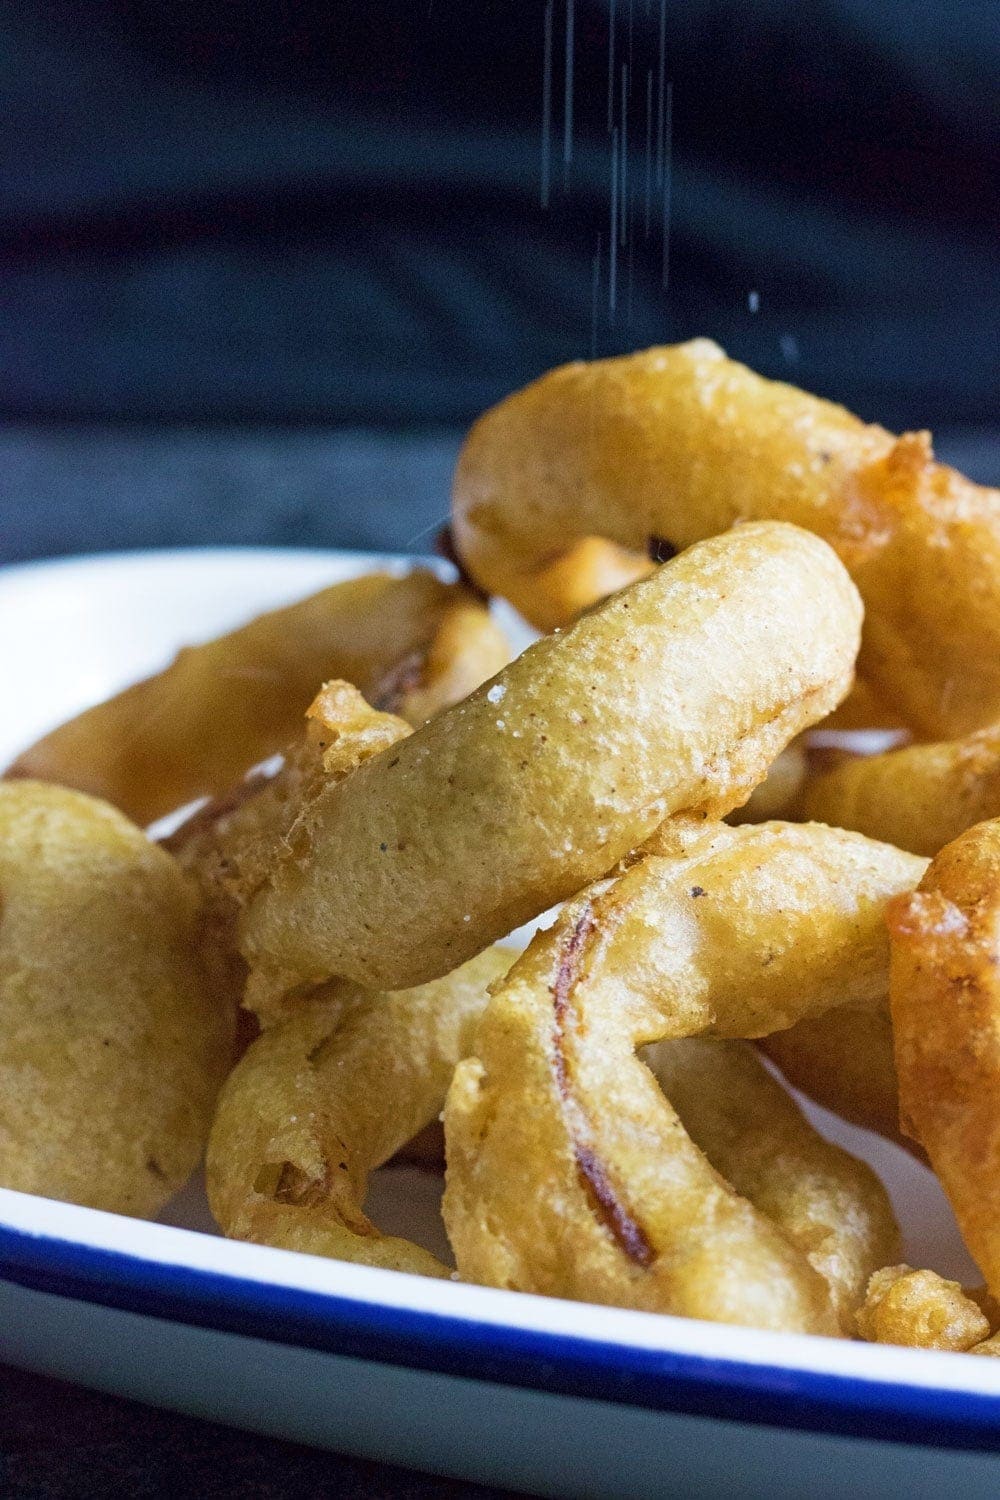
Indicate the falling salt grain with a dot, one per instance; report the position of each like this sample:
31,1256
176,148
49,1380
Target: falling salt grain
496,693
753,301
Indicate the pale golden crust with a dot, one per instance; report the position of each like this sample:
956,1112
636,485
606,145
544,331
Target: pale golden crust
681,443
753,928
322,1099
921,1310
945,997
232,843
410,644
829,1205
675,695
920,797
112,1046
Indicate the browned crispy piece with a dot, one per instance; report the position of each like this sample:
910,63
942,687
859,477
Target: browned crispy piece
675,695
945,997
681,443
570,1174
410,644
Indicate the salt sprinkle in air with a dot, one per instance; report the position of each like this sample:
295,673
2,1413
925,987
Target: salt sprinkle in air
496,693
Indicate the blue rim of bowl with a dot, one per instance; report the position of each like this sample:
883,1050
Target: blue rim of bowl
561,1363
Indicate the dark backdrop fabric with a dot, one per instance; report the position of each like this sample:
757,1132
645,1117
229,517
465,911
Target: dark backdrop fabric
312,212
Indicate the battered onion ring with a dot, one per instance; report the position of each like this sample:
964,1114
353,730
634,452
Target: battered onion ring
411,644
568,1171
321,1100
829,1205
230,845
674,695
920,1310
680,443
844,1061
112,1046
945,997
919,798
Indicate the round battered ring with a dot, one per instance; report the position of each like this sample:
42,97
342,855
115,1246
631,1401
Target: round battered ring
411,644
570,1174
113,1043
919,797
326,1096
679,443
675,695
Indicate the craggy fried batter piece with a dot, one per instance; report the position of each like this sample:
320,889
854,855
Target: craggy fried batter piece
829,1205
681,443
411,644
920,1310
920,797
569,1173
112,1043
674,695
321,1100
945,997
231,844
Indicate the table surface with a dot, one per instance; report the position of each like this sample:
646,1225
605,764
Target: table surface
58,1442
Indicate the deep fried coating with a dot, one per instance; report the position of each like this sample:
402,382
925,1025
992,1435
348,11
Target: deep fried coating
674,695
945,997
920,1310
410,644
591,570
829,1205
920,797
568,1171
321,1100
779,792
844,1061
681,443
231,844
112,1046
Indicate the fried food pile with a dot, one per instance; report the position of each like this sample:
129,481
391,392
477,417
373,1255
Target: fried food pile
734,578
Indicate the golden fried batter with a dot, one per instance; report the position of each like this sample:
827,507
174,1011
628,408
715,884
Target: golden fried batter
920,797
945,997
681,443
674,695
920,1310
829,1205
411,645
568,1171
844,1060
321,1100
112,1046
